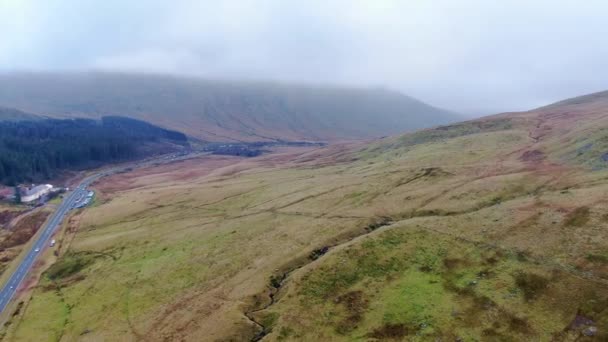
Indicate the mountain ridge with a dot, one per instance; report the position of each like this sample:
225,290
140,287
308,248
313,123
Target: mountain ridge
12,114
223,110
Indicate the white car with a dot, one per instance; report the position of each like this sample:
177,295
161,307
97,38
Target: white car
37,250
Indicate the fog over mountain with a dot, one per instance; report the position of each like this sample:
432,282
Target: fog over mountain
470,56
214,110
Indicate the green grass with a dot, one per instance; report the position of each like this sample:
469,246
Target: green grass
69,265
454,131
56,313
481,246
588,149
56,200
418,299
127,270
422,286
435,135
368,262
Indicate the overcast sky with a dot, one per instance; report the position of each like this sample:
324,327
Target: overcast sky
472,56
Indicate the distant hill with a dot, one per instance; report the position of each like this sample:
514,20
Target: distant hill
11,114
573,131
596,99
223,110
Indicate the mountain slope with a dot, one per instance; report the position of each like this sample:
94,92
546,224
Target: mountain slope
485,230
221,110
11,114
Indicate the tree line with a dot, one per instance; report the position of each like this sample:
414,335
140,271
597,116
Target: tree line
32,151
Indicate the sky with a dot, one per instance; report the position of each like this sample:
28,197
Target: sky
471,56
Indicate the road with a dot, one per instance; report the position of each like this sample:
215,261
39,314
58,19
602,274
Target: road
48,230
8,292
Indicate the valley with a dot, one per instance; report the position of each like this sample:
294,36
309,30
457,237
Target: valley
303,171
491,229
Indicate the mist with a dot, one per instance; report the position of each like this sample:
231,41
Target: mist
474,57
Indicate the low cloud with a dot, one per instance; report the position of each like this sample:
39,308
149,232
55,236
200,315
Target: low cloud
476,57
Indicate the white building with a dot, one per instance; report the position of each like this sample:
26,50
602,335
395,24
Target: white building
35,192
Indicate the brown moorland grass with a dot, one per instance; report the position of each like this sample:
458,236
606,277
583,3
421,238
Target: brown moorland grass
476,243
13,239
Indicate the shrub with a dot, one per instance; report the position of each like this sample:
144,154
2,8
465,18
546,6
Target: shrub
531,284
579,217
69,264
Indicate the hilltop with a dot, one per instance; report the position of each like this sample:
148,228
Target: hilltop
223,110
12,114
490,229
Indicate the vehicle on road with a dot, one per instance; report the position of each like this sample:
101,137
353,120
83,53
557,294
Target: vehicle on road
70,201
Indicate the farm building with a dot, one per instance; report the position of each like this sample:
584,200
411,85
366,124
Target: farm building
35,192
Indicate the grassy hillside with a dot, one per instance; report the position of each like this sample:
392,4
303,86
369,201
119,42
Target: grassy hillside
487,230
222,110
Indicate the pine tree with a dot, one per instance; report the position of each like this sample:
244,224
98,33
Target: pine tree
17,195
